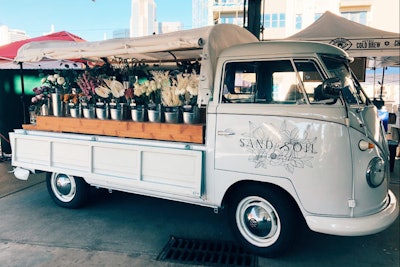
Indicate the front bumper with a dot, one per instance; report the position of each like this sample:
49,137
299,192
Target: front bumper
356,226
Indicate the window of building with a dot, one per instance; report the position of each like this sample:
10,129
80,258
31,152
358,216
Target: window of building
275,20
231,19
228,2
299,21
317,16
360,16
282,20
267,20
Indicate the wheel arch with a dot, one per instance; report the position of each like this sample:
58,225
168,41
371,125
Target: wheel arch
264,217
250,183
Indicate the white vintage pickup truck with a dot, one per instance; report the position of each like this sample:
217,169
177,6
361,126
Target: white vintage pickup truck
287,134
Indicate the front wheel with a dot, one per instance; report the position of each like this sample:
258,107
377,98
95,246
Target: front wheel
66,190
263,219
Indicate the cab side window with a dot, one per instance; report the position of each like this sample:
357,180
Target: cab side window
311,79
240,83
269,82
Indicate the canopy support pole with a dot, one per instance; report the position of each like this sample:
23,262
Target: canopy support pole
383,78
22,92
374,76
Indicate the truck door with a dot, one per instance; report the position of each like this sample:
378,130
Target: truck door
269,125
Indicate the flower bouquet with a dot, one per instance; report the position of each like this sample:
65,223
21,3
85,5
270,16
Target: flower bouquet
72,102
113,91
57,86
40,102
140,99
87,83
185,88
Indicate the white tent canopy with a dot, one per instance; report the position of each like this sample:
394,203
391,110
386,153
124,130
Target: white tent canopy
174,46
357,39
203,44
43,65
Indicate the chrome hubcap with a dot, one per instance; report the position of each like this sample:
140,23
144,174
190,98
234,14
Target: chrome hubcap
258,221
63,186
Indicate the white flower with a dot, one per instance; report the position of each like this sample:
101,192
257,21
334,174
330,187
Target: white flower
152,86
60,80
117,88
139,89
102,91
56,75
180,91
192,91
51,78
43,80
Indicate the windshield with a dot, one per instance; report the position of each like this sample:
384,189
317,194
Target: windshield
338,67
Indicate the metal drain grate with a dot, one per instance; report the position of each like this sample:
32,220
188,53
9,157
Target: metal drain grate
206,252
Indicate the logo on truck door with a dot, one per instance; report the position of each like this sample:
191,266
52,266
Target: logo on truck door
269,145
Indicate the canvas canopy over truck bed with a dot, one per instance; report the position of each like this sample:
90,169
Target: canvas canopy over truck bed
203,44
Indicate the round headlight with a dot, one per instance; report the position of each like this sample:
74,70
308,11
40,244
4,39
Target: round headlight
375,172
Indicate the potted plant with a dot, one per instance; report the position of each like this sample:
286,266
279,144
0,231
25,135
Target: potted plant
187,89
116,92
140,99
88,83
72,102
57,85
171,100
40,102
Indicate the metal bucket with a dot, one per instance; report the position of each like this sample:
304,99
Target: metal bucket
75,112
190,117
57,104
44,110
154,115
101,113
171,116
138,114
117,111
88,112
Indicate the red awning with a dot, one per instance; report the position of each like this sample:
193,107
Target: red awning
9,51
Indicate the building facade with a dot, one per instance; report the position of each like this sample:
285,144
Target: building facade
280,19
143,18
165,27
11,35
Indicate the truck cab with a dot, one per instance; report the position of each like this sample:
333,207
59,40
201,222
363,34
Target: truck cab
290,117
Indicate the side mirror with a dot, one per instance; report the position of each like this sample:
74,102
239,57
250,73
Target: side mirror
331,88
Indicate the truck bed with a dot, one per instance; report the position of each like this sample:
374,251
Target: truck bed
192,133
161,168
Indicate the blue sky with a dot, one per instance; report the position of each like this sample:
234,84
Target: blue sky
88,19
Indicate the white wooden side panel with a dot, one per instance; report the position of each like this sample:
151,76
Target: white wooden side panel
29,151
70,156
179,169
119,162
113,164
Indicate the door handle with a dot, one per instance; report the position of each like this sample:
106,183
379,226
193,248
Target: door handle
226,132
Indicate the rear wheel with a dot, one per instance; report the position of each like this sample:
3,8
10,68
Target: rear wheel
263,219
66,190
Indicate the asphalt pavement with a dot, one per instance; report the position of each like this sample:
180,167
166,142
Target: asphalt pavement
120,229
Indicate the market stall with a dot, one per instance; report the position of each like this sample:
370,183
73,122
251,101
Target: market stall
152,79
358,40
9,51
